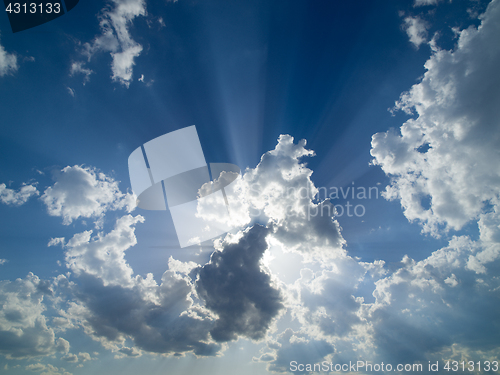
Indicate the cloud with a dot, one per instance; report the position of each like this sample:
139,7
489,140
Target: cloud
114,306
56,241
84,192
445,170
419,3
157,318
416,28
445,164
8,62
279,193
419,301
3,261
47,369
73,358
23,326
84,356
115,38
17,198
104,255
234,286
299,347
77,68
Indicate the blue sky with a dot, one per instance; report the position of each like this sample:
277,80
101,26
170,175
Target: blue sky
397,96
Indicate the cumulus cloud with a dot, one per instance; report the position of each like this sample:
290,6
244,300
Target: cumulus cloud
424,300
234,286
114,306
104,255
445,164
416,28
157,318
115,38
8,62
279,193
84,192
17,198
445,169
23,326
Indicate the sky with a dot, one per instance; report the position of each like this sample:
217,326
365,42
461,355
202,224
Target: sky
365,220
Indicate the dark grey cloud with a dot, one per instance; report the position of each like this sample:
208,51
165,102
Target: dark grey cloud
235,287
157,323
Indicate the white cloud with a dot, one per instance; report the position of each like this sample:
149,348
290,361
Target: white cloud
47,369
3,261
445,169
445,164
73,358
8,62
10,196
416,28
84,192
279,192
23,326
56,241
115,38
71,91
104,255
419,3
84,356
78,68
424,300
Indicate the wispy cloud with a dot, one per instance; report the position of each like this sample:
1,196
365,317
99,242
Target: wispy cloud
115,21
419,3
77,67
8,62
416,28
